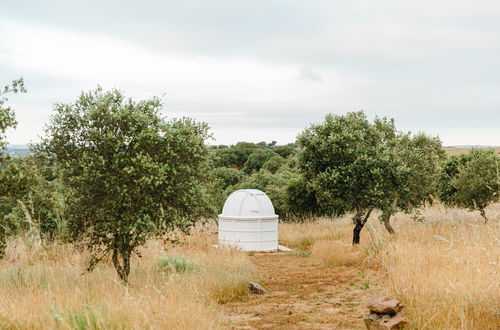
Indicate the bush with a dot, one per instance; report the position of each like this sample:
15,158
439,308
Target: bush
286,150
471,181
257,159
274,164
176,264
36,196
227,177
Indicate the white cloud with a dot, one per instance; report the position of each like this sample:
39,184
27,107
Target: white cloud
432,65
306,73
229,91
444,9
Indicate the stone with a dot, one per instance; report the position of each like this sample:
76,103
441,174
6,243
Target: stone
256,288
394,323
371,320
385,305
374,321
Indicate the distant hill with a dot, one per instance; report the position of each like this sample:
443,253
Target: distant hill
18,149
23,149
470,146
457,150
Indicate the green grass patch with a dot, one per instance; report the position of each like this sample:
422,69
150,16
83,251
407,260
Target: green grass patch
176,264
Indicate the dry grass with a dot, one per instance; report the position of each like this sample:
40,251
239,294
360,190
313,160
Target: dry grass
446,271
327,240
303,235
47,288
457,151
336,253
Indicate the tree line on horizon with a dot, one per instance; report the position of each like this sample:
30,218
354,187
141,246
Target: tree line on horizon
111,173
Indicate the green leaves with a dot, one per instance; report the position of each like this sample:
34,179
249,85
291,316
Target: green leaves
133,174
257,159
471,180
357,166
7,116
342,157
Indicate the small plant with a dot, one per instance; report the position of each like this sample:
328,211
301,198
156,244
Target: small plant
175,264
81,319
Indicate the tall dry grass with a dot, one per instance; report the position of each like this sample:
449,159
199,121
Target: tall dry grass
48,288
303,235
336,253
447,270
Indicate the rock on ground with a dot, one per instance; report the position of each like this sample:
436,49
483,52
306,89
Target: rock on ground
385,305
256,288
384,322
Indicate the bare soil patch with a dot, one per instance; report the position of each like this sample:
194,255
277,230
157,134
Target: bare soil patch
303,294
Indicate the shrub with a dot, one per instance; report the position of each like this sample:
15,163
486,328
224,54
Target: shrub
177,264
257,159
471,181
274,164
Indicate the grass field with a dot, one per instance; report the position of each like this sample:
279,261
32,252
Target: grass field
458,151
446,271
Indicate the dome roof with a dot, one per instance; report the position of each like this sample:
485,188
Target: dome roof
248,203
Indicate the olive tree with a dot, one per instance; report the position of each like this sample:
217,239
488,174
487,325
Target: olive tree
302,201
7,116
274,163
7,120
233,156
257,159
347,162
37,189
471,181
358,166
417,161
131,174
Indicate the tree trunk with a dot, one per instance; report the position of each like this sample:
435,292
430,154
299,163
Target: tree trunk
356,232
359,223
34,232
388,226
3,244
483,214
121,261
27,214
386,220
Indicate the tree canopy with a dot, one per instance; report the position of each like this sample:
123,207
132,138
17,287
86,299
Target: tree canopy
7,115
130,173
7,120
471,180
357,166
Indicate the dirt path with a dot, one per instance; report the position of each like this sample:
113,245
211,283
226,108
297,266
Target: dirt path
302,294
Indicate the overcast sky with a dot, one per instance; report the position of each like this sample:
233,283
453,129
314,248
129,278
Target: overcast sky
263,70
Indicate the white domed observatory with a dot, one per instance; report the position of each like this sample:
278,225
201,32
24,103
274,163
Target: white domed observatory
248,222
